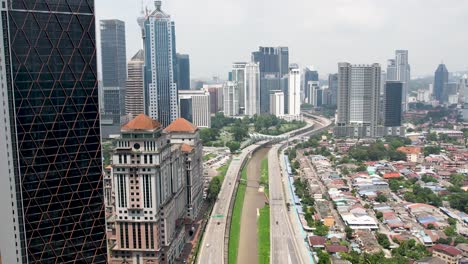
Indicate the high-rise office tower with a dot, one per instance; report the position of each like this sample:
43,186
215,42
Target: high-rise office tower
311,88
294,110
238,76
51,185
464,91
114,69
398,69
216,97
392,103
441,78
333,87
277,103
148,197
195,107
231,99
358,99
310,75
160,56
274,66
134,101
252,89
183,71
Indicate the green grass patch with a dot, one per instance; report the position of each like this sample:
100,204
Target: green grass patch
223,170
209,156
234,234
264,173
263,227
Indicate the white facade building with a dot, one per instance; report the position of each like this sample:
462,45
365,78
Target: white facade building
252,89
277,103
195,107
424,96
398,69
294,106
231,99
312,87
239,76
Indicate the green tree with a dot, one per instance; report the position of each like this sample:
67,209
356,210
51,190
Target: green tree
430,226
450,231
233,146
349,232
432,137
381,198
213,189
431,150
379,215
383,240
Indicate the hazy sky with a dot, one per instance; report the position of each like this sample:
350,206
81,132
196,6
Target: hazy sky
318,32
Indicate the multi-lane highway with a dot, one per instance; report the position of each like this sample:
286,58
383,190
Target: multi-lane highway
286,234
213,249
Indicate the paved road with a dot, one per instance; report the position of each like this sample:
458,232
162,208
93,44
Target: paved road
213,246
212,249
285,247
286,234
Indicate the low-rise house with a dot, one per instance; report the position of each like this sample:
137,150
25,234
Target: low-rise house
317,242
449,254
413,154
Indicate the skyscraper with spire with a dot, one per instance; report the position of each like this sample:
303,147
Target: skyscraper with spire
161,102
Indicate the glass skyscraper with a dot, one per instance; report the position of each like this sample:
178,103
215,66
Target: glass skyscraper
114,69
50,164
183,71
161,102
440,82
274,68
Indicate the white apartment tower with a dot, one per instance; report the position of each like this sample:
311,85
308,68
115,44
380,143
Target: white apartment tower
277,103
231,98
252,89
195,107
294,107
358,99
134,101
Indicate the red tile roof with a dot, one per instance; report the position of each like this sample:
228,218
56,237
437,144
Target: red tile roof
186,148
336,248
410,150
181,125
142,122
317,240
449,250
391,175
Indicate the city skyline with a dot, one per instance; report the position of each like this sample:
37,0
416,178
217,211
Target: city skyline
373,28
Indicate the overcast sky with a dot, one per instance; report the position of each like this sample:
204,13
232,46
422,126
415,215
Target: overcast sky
318,32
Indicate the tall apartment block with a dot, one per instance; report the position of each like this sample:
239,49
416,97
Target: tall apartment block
358,113
277,103
195,107
160,66
114,74
231,99
358,100
51,192
156,176
134,101
398,69
238,76
294,110
252,89
310,75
